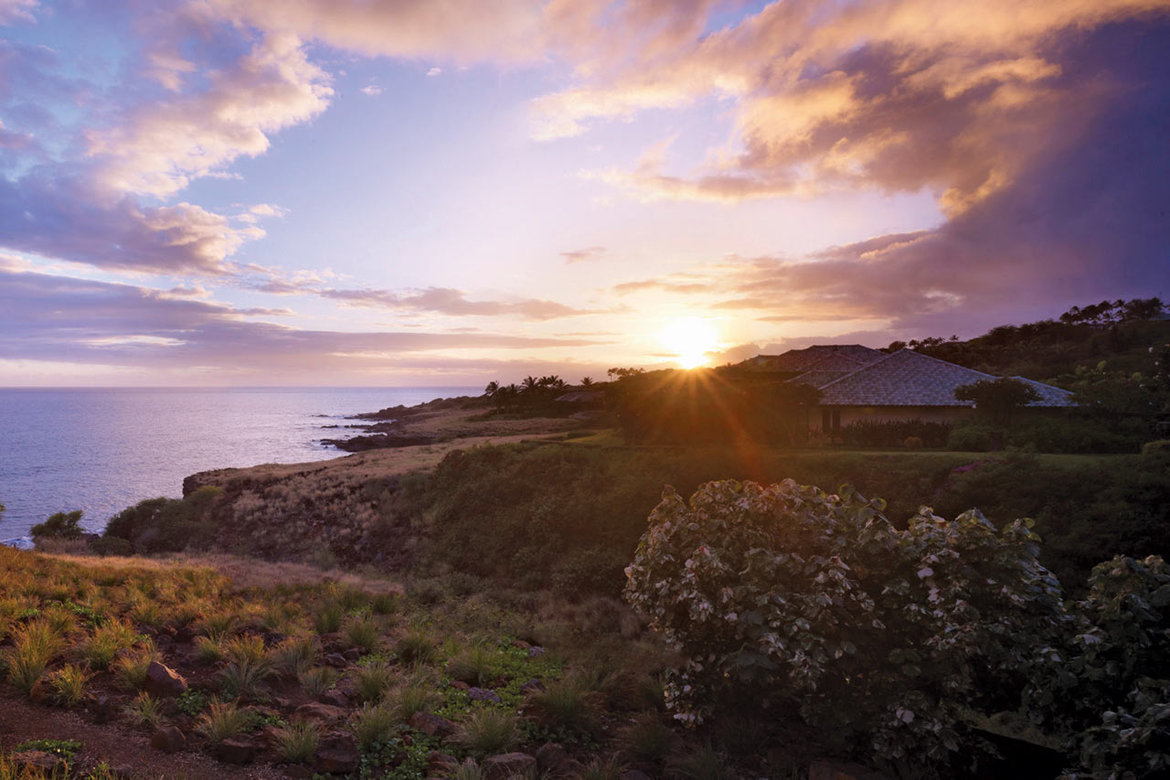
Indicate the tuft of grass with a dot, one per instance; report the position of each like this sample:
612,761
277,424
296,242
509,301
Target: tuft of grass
250,665
68,684
209,649
223,720
145,710
373,681
297,744
221,623
374,724
384,604
648,739
295,655
247,649
704,763
473,665
34,645
362,631
487,732
600,769
132,667
415,698
565,707
108,639
416,647
327,619
317,680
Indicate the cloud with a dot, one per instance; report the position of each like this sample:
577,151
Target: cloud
584,255
458,30
436,71
444,300
55,215
158,147
895,94
373,90
16,10
55,318
676,287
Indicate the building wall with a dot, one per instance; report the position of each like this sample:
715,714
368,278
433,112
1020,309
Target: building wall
842,416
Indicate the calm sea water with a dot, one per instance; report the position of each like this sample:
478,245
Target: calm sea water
104,450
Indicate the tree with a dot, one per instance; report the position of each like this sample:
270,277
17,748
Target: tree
998,398
492,388
62,525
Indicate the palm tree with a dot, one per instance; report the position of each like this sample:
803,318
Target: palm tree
586,382
492,388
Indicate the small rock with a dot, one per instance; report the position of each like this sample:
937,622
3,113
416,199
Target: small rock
459,685
440,764
553,759
336,660
168,739
508,765
483,694
352,654
326,714
535,650
432,725
163,682
334,697
337,754
235,750
532,686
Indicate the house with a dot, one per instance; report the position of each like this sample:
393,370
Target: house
859,384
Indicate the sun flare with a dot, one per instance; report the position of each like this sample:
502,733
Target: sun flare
690,340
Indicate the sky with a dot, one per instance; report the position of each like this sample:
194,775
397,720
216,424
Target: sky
447,192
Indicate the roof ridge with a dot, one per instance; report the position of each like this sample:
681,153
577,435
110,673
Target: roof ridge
859,368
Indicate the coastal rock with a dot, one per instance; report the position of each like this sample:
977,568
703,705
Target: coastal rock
163,682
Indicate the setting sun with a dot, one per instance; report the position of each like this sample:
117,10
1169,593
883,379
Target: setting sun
690,339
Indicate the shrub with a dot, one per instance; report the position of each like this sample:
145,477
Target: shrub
223,720
416,647
373,724
317,680
784,597
33,646
62,525
297,743
473,665
362,631
68,684
1107,685
373,681
145,711
487,731
106,642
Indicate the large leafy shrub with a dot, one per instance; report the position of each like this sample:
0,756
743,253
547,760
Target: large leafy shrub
1107,686
785,599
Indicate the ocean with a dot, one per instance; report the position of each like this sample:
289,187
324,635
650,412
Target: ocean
102,450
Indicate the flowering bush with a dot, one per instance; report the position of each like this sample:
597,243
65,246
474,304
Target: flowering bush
1107,689
787,599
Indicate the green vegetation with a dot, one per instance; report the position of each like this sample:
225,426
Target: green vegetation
783,599
62,525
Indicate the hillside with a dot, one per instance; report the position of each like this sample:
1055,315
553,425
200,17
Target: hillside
1128,336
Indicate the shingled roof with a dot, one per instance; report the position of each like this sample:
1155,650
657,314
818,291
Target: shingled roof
909,378
800,360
